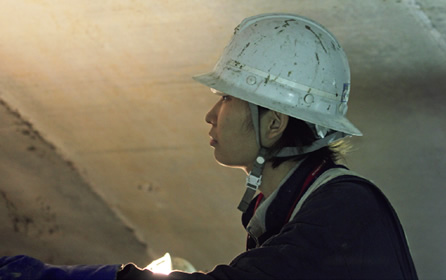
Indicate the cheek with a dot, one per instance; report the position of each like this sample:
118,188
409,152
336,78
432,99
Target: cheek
238,127
238,146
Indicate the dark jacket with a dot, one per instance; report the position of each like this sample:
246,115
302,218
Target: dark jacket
346,229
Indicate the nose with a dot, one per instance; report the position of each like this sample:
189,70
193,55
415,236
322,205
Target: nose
211,116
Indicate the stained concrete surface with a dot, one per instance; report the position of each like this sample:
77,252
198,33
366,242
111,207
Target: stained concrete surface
108,84
48,210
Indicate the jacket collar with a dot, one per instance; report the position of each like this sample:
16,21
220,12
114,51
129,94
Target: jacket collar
272,212
257,224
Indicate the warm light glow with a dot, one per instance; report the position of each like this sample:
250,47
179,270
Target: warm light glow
162,265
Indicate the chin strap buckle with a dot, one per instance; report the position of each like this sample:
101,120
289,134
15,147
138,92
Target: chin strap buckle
253,182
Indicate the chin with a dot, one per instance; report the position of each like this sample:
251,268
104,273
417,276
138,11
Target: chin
229,163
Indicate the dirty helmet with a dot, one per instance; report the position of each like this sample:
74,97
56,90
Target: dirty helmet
292,65
289,64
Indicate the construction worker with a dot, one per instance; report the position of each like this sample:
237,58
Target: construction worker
283,84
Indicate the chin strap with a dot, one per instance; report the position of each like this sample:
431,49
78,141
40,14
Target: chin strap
254,180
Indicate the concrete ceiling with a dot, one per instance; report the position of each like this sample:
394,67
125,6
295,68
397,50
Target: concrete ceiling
102,123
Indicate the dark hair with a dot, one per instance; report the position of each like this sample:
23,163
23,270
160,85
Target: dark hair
299,134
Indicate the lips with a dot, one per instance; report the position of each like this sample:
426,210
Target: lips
212,141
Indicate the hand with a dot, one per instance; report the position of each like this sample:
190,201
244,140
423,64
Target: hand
20,268
26,268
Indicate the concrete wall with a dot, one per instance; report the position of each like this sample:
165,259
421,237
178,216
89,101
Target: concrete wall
104,150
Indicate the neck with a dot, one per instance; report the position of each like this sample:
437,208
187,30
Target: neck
272,177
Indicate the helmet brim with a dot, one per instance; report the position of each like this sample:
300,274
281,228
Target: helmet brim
337,123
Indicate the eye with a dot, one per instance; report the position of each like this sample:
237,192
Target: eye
225,97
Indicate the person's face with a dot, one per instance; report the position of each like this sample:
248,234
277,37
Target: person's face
233,141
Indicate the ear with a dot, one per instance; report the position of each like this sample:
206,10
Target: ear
273,125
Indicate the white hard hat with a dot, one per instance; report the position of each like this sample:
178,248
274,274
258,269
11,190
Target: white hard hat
289,64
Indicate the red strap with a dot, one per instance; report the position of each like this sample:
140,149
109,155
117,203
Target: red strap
307,181
259,199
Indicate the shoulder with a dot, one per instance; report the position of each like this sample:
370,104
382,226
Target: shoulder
336,189
347,192
346,189
343,202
